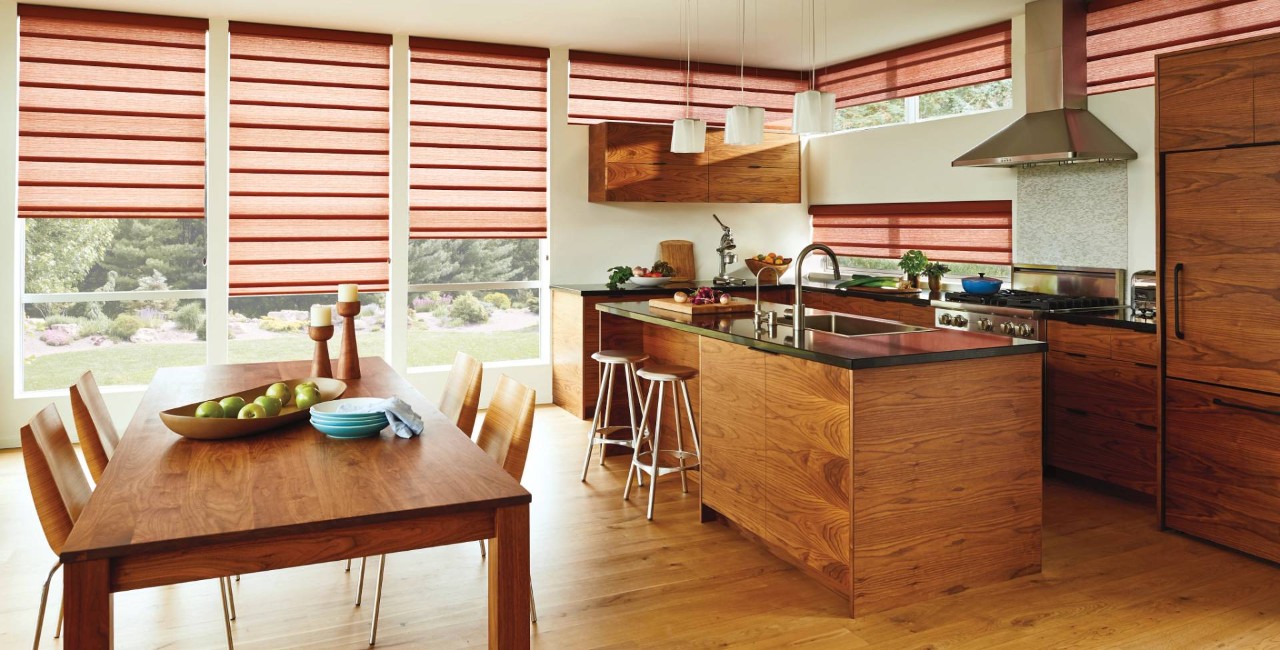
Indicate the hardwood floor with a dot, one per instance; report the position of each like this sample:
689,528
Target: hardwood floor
605,578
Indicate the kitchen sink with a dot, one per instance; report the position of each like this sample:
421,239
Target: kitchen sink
842,325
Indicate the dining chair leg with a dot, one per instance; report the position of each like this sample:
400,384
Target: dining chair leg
226,614
533,609
57,631
348,569
377,599
231,598
483,552
44,598
360,587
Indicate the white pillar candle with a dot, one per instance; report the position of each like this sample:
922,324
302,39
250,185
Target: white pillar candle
348,293
321,315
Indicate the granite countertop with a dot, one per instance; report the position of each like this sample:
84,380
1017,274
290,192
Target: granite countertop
628,289
872,351
921,297
1123,317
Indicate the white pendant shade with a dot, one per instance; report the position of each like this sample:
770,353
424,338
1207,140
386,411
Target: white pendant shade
688,136
744,125
814,112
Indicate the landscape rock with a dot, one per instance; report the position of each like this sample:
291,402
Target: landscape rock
144,335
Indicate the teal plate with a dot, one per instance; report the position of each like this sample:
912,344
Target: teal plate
336,431
350,420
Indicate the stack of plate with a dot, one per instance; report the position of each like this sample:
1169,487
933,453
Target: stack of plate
349,418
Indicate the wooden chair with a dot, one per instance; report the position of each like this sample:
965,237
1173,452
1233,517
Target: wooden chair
61,491
97,433
504,435
461,399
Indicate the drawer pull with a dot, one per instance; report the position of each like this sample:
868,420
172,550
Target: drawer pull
1145,365
1077,411
1148,427
1177,300
1077,355
1246,407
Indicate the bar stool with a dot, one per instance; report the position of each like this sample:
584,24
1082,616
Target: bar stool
657,461
602,433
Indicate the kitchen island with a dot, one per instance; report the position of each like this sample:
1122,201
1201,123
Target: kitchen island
891,467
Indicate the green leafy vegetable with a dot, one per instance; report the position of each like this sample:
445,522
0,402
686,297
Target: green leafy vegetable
618,275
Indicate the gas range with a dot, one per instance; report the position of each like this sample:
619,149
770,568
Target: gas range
1037,290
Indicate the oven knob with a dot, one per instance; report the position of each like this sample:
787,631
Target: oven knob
1006,329
1024,330
945,319
960,321
984,324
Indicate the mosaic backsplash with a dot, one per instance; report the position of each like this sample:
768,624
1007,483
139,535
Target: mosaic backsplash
1073,215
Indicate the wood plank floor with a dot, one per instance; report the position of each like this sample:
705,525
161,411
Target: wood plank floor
606,578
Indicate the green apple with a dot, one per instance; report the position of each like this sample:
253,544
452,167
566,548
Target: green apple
308,390
252,412
279,391
306,399
270,404
209,410
231,406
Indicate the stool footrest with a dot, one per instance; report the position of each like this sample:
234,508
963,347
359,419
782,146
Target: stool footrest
668,462
614,435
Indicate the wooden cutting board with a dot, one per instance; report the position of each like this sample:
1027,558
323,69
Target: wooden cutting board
735,305
679,254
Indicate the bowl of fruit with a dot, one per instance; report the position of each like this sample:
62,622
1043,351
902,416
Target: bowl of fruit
657,276
769,260
252,410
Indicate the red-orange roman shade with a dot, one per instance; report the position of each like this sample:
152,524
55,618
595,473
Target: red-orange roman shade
976,56
1125,35
478,140
957,231
310,150
111,114
637,89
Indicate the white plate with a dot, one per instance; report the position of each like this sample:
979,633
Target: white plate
349,405
649,282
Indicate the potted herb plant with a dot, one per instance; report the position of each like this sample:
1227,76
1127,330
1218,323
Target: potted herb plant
913,263
934,271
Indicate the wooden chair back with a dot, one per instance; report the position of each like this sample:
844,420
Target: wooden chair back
97,433
461,398
58,485
508,425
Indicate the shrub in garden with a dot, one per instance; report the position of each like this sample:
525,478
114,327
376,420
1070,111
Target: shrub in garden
269,324
189,317
200,330
124,326
56,338
94,326
532,304
467,309
498,300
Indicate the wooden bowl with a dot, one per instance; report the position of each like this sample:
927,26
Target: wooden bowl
182,420
754,265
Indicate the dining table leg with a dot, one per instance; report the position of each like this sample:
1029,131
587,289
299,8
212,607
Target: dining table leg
88,601
509,627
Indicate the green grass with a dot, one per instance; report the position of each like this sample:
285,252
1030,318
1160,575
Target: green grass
134,364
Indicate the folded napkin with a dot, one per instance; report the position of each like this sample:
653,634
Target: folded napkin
404,421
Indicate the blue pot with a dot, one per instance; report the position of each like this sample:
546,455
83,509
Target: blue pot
981,285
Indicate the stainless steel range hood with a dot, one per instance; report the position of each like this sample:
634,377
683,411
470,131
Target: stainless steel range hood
1058,127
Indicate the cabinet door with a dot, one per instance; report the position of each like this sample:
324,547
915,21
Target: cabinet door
645,144
780,150
733,457
1206,99
729,184
1116,389
1266,90
655,183
1222,466
1111,450
808,443
1221,271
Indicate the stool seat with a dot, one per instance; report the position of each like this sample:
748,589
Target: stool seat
663,372
619,356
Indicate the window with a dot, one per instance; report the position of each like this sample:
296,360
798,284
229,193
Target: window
111,191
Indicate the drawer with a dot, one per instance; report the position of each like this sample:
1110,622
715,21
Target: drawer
1092,340
1222,466
1111,450
1138,347
1116,389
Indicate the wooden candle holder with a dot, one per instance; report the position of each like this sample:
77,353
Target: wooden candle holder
349,359
320,366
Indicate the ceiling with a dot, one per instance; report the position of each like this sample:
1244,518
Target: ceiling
853,28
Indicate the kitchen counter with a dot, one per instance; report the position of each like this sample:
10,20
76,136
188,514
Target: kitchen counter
921,297
1123,318
870,351
628,289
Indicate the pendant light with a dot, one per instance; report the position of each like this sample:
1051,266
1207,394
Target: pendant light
814,111
743,125
687,134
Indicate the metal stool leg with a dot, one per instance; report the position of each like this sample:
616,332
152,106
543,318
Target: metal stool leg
608,406
595,421
654,445
635,453
675,416
637,427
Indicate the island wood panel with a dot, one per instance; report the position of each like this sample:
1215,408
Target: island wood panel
733,442
1117,389
575,329
1111,450
1221,230
1222,466
669,346
1206,99
945,498
807,460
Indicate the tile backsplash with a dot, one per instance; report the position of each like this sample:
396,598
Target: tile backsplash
1073,215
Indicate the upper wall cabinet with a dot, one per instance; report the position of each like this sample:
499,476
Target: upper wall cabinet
1221,96
633,162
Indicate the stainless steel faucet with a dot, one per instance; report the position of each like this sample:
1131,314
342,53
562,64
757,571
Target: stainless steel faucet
797,317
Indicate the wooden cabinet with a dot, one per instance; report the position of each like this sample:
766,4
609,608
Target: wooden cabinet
1220,96
1222,466
1266,91
1101,404
633,162
909,313
1221,269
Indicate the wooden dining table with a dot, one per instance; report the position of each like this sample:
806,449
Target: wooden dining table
171,510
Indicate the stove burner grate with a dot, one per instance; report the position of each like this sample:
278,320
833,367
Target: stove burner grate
1031,300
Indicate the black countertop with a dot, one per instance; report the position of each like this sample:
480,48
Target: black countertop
628,289
872,351
1123,318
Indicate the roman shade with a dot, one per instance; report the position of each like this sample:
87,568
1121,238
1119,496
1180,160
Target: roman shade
310,136
110,114
478,140
976,56
637,89
958,231
1124,36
